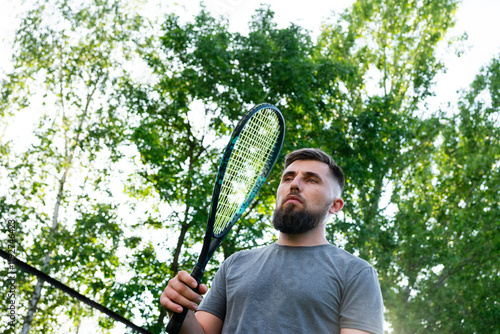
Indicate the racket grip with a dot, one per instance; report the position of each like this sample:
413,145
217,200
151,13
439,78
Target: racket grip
175,323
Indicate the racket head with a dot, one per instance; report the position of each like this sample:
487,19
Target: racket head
247,161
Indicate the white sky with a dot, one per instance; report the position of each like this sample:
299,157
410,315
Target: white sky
479,18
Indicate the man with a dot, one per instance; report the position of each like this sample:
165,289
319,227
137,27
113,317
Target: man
301,283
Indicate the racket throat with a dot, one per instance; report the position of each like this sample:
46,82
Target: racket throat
197,273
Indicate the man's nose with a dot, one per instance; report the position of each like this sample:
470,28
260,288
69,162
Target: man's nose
295,184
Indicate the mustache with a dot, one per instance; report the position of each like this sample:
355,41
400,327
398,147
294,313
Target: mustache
294,195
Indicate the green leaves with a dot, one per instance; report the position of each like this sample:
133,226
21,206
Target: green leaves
446,220
68,55
421,193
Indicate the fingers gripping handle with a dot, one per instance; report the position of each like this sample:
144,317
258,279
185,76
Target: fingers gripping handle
175,324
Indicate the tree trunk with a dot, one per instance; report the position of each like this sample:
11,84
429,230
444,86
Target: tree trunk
35,297
37,292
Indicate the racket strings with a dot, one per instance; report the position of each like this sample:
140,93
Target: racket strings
250,157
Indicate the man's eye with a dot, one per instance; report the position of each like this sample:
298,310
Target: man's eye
312,181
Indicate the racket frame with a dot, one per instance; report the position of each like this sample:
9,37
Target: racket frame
209,245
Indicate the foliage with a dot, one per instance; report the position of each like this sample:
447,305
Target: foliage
204,78
64,66
421,194
445,265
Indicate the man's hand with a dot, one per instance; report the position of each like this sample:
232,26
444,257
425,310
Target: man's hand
179,292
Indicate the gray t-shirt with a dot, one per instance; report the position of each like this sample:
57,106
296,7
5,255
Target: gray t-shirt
281,289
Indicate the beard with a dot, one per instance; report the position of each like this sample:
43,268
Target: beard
290,221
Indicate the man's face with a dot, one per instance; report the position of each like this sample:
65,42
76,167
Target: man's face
306,195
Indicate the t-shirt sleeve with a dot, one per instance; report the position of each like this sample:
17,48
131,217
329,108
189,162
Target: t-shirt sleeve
362,306
214,301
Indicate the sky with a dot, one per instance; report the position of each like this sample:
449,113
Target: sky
478,18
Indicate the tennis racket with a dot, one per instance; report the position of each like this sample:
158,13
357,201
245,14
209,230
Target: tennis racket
247,161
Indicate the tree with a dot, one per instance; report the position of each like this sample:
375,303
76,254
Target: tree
66,52
205,77
446,222
206,71
372,128
357,92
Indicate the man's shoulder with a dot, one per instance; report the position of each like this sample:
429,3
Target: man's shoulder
348,257
251,252
245,259
344,262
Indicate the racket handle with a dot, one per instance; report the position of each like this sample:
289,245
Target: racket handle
175,323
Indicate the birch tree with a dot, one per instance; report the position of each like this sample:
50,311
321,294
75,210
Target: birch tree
64,66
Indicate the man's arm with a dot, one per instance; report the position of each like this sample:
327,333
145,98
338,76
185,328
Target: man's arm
201,323
178,293
362,309
209,322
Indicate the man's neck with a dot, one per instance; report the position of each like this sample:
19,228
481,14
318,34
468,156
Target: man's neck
314,237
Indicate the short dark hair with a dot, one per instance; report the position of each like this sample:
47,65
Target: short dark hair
317,155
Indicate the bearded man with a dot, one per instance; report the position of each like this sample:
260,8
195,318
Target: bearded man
301,283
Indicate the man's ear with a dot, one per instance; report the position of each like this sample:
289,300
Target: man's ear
337,205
